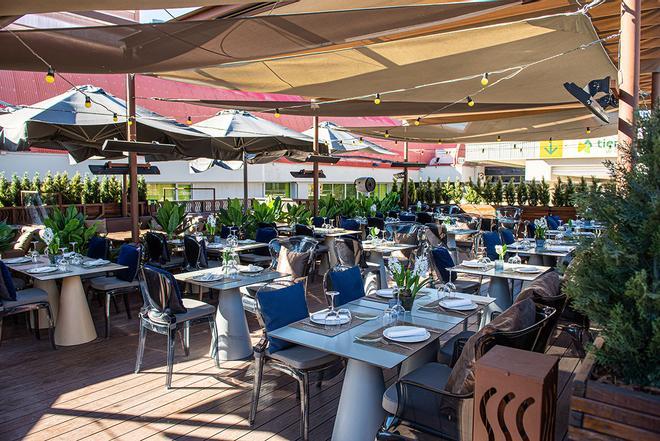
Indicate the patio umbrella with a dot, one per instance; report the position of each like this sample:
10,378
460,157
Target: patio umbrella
259,140
66,122
344,142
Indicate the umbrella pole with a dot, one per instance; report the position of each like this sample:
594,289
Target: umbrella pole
132,157
629,66
245,183
315,165
405,176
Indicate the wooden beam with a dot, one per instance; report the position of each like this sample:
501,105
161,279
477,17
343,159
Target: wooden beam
131,131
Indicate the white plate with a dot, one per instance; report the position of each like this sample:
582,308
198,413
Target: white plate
207,278
248,270
387,293
472,264
42,270
528,270
215,246
411,339
469,307
319,318
16,260
93,263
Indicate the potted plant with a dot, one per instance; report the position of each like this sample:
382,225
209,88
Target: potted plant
52,242
298,214
170,217
6,236
409,281
213,228
233,216
614,281
69,227
540,229
501,251
267,212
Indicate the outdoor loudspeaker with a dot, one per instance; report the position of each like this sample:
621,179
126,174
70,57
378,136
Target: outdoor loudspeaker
365,185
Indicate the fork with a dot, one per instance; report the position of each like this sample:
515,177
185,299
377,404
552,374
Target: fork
382,340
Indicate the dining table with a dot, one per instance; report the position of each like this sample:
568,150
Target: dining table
368,353
233,334
452,232
378,251
70,311
546,255
499,288
214,248
328,236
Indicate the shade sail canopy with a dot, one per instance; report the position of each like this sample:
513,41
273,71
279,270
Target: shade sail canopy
402,66
345,142
40,6
146,48
567,124
64,122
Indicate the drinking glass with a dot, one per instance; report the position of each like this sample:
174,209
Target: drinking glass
344,315
34,254
332,316
397,308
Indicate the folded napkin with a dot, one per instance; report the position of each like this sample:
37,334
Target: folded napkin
17,260
252,268
207,277
96,262
412,332
456,303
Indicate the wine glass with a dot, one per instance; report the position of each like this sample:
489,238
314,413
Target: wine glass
332,316
397,308
345,316
34,254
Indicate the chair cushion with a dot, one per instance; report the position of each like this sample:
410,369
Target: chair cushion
507,236
18,283
467,286
349,224
109,283
434,375
255,258
195,310
552,221
281,307
446,351
97,248
129,255
7,288
302,357
349,285
442,260
519,316
491,238
24,240
26,297
292,262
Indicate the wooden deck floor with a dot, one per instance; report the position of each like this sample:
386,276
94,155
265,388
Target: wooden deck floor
91,392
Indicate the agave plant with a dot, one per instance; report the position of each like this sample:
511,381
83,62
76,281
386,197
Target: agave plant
6,235
268,211
233,215
69,226
171,217
298,214
349,207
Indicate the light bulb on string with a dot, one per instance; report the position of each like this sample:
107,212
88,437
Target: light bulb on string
277,113
484,79
115,117
50,76
130,120
189,120
88,102
439,141
377,99
588,130
417,121
387,133
499,138
470,101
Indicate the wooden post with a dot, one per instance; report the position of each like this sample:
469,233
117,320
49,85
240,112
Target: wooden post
245,183
629,43
131,131
315,179
655,89
405,176
124,198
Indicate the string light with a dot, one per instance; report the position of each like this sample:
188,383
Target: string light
361,139
115,118
377,99
499,138
484,79
130,120
277,113
50,76
588,130
387,133
470,102
417,121
88,102
189,120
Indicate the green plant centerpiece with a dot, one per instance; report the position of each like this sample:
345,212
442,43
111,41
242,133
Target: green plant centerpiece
212,226
614,279
298,214
68,226
540,231
171,217
501,252
267,212
409,280
233,216
6,236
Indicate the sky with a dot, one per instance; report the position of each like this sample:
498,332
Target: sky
150,15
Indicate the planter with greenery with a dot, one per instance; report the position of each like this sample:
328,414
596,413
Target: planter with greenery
614,281
69,226
7,234
233,216
171,217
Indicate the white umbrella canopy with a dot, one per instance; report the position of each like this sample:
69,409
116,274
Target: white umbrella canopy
340,141
65,121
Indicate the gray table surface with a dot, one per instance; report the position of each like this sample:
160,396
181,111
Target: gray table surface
74,270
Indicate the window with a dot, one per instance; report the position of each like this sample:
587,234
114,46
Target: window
169,191
343,191
281,189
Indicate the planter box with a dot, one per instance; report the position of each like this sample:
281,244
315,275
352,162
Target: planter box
605,412
529,212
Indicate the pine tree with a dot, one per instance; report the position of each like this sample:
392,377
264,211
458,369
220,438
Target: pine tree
487,192
74,190
569,193
412,192
15,190
582,187
105,190
498,191
471,195
544,193
395,186
510,192
5,197
36,183
533,193
95,191
457,194
558,194
446,192
522,194
595,187
26,185
437,191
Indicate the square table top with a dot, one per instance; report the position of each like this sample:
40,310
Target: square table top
334,232
73,271
549,250
344,345
242,246
508,272
225,284
385,247
461,231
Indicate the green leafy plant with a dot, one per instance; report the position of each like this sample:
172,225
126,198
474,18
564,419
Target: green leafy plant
558,194
298,214
233,215
533,192
15,190
73,194
544,193
6,236
171,217
510,193
614,280
446,192
487,192
268,211
569,193
142,189
69,226
522,195
329,206
498,191
472,195
409,280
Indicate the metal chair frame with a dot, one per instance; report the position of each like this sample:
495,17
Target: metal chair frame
34,308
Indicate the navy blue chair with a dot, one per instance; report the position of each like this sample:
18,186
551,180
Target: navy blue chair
225,231
166,312
424,218
441,260
553,222
98,248
261,256
123,282
280,304
490,239
407,217
158,252
318,221
349,224
347,281
377,222
507,235
194,253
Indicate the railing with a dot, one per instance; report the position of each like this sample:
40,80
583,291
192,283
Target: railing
35,214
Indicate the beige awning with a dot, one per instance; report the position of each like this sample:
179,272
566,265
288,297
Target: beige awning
565,124
23,7
409,63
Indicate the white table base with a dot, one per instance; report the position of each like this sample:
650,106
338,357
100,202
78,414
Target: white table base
233,334
360,412
74,325
50,286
